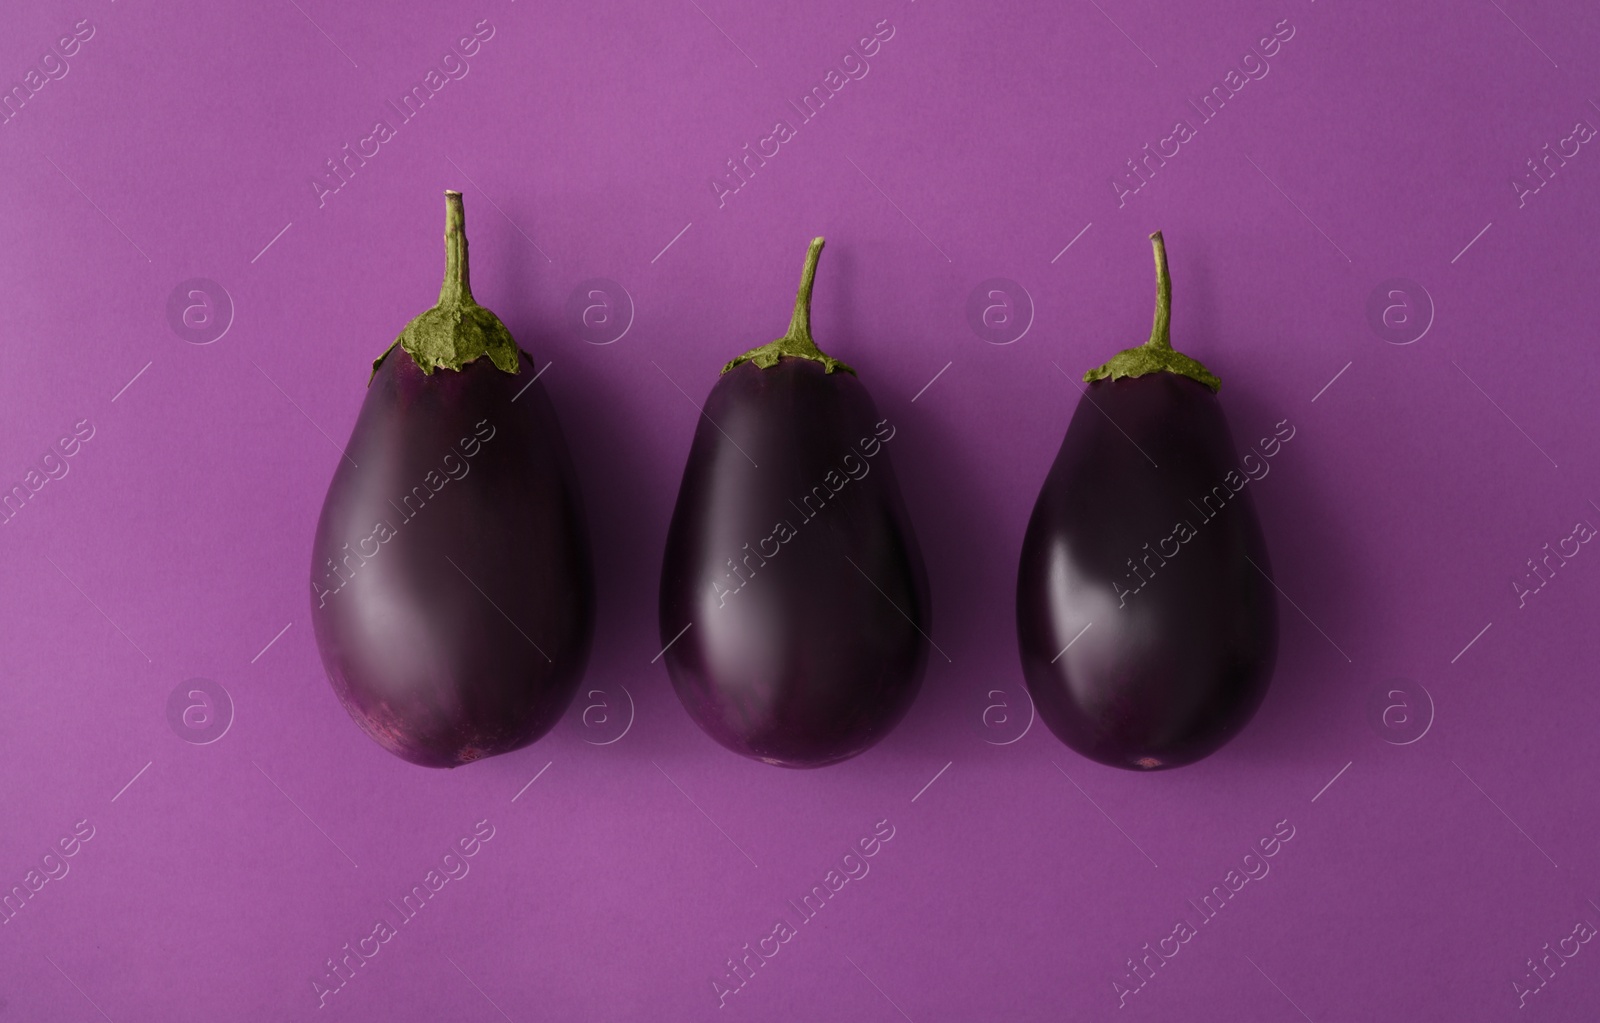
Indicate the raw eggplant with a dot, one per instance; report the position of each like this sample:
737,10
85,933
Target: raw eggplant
451,583
1146,620
794,602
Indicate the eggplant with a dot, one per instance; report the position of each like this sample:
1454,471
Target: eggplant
452,587
794,602
1146,618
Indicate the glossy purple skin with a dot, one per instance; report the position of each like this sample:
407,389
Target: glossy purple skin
466,632
820,653
1167,673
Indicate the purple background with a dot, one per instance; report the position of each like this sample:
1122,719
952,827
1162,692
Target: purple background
1019,883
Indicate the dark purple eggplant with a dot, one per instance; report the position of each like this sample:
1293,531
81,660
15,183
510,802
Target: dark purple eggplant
794,602
451,584
1146,620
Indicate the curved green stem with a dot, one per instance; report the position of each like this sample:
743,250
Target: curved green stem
800,322
1157,354
798,342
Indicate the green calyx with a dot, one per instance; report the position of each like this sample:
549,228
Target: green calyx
797,343
1156,355
458,329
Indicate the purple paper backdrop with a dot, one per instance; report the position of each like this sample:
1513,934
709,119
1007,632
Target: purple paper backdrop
1428,742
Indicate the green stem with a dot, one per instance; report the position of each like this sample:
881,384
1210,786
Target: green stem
798,342
1157,354
456,291
457,330
800,322
1161,331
